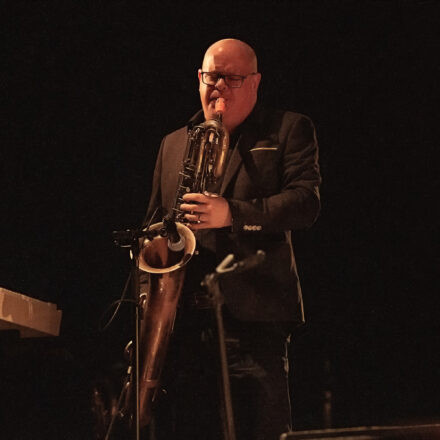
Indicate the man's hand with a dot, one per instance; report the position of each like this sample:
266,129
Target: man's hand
206,211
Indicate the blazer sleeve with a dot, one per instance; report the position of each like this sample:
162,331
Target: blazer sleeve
297,204
154,211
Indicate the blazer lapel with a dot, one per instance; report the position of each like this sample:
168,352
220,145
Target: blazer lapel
244,144
232,167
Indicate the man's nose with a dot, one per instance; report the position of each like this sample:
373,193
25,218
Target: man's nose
221,84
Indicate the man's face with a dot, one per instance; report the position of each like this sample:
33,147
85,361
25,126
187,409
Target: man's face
239,101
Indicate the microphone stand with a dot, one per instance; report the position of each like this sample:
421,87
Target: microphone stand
211,282
130,239
134,255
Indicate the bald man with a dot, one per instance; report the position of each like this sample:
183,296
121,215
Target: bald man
270,187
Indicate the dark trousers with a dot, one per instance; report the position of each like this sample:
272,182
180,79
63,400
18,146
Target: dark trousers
190,406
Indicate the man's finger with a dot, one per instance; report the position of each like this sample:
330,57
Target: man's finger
193,217
192,207
210,194
195,197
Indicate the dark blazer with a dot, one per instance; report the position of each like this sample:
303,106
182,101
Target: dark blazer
272,185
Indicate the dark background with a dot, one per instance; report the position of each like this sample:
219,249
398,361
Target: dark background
91,88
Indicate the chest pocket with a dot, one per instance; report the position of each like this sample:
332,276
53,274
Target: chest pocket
262,164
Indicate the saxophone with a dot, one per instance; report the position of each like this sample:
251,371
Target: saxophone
165,255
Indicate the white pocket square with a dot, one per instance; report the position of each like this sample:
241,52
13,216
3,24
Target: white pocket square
264,148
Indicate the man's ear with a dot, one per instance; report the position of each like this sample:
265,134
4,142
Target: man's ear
199,74
256,81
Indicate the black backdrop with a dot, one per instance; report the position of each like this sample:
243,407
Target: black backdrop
90,90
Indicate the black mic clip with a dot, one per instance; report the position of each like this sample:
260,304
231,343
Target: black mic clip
126,237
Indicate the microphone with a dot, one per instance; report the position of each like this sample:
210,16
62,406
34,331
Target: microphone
176,242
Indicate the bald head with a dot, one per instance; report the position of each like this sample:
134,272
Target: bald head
230,58
238,48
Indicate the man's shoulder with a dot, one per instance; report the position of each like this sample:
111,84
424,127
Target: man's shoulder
177,134
270,113
181,133
282,121
174,141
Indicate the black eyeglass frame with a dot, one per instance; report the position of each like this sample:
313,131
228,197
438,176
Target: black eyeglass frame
225,77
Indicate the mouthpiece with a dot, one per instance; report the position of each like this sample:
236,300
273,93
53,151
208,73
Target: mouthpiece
220,105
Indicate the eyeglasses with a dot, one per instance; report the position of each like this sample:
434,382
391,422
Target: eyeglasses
233,81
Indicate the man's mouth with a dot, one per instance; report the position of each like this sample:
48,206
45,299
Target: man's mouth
213,98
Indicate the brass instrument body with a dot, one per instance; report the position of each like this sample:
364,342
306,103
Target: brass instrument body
205,161
158,309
